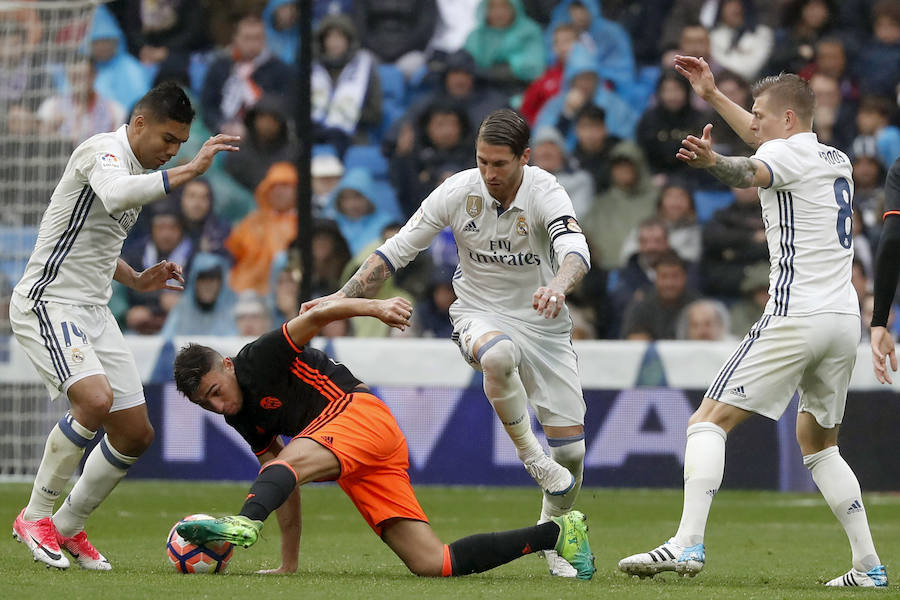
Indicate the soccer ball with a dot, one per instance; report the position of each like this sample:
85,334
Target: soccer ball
191,558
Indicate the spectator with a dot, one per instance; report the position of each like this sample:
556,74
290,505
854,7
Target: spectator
868,192
166,241
268,230
725,140
804,22
878,63
442,135
359,212
630,199
325,171
507,46
754,297
629,282
675,208
120,76
593,145
240,76
548,151
702,12
17,73
831,61
331,254
397,32
251,316
457,19
269,139
704,320
346,91
739,42
281,19
548,84
431,316
860,279
80,112
205,307
582,87
835,118
284,288
165,31
206,231
654,316
693,40
734,238
663,126
605,39
876,136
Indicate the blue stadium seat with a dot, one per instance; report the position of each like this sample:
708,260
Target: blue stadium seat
393,85
16,245
709,201
369,158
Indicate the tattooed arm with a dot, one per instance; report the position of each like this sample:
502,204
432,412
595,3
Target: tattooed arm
365,283
734,171
548,300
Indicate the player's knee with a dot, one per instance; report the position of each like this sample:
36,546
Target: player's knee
93,403
144,438
500,359
569,453
427,564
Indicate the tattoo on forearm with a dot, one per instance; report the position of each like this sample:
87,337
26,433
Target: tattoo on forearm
736,171
570,272
368,279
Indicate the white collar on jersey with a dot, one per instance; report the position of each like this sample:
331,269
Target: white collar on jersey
122,134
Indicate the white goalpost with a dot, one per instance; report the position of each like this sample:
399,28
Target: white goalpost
39,42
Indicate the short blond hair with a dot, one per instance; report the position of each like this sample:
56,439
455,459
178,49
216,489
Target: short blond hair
789,91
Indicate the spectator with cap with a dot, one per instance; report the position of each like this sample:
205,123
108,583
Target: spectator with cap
754,297
262,234
251,315
326,171
206,304
548,151
397,32
269,139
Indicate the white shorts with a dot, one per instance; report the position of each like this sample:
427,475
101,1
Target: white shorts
68,342
548,369
813,355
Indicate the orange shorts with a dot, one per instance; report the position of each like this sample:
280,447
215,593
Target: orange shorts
364,436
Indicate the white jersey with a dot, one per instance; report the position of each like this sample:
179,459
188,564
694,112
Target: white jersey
94,206
503,256
808,215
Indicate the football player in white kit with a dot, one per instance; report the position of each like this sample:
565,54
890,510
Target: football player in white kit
807,337
59,315
520,252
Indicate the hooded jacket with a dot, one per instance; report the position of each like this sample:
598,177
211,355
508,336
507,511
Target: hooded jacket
121,78
262,234
520,45
361,232
187,317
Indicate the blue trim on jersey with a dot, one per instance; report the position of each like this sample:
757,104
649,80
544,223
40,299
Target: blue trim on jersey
166,185
386,261
786,261
46,329
771,174
110,457
65,425
487,345
564,441
718,386
65,243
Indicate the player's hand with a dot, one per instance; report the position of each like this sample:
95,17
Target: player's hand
158,276
697,72
883,347
548,301
215,144
282,570
697,152
310,304
395,312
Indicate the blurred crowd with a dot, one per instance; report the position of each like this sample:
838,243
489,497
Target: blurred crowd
399,88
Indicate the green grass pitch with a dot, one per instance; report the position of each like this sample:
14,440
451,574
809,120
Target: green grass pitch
759,545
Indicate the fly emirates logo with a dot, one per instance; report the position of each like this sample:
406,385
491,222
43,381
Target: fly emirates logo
500,252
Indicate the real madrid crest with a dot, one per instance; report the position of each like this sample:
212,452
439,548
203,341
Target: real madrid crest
77,355
474,205
572,225
521,225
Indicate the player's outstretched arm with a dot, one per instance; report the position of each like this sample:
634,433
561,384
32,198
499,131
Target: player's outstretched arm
289,521
549,299
697,72
151,279
394,312
734,171
198,165
363,284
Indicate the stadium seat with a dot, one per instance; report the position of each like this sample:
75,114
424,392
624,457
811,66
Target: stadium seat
16,245
369,158
708,202
393,85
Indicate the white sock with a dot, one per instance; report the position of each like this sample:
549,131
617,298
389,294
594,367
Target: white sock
62,453
503,387
839,486
704,465
569,452
103,470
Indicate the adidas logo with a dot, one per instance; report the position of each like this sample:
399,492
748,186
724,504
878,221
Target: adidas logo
328,439
855,507
471,227
738,391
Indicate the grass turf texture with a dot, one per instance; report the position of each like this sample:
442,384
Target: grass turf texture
760,545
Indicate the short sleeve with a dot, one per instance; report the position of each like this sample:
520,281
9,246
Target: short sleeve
784,165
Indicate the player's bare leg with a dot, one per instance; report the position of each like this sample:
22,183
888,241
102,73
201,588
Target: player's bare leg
840,488
499,358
